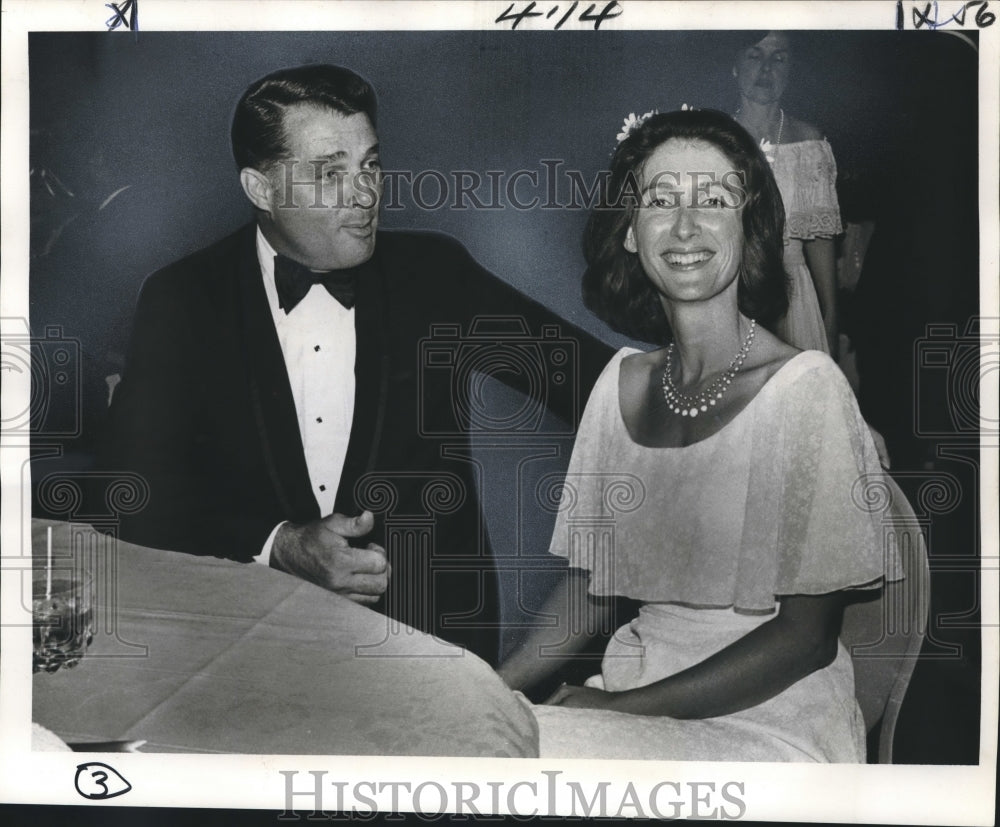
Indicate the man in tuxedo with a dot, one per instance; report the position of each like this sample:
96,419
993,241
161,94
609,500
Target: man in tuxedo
274,397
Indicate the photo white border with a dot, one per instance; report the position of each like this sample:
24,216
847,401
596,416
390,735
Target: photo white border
838,793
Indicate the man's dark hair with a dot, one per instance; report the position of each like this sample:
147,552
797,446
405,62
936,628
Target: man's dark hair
616,288
258,131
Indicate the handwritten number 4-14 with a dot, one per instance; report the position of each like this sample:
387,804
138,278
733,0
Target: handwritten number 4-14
609,11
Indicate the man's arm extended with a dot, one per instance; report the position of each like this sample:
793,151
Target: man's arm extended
486,295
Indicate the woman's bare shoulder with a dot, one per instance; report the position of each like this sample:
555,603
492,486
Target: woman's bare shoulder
796,130
641,360
634,378
771,355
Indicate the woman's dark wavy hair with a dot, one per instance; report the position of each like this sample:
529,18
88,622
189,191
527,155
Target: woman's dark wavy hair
616,288
258,130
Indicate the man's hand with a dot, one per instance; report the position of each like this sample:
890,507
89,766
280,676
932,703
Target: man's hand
319,552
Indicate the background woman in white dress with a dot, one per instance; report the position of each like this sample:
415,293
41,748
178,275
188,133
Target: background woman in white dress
714,480
806,173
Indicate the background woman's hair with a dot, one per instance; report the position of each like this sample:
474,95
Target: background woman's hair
616,288
258,130
739,40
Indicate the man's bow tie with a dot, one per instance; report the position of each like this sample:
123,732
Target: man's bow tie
294,280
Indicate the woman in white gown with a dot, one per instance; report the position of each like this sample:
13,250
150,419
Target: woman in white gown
806,172
715,480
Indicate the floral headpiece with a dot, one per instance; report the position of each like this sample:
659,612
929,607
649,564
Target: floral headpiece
634,121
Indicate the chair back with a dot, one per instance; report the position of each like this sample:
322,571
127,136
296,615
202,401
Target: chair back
884,631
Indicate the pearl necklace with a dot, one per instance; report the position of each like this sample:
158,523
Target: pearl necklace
693,404
771,150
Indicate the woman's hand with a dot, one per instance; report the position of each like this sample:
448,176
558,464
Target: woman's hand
583,697
576,611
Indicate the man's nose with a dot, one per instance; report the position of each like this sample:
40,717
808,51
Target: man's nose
362,190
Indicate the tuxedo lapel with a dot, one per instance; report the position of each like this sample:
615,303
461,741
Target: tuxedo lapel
271,393
371,373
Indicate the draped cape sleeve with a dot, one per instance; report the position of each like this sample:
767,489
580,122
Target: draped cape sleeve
785,499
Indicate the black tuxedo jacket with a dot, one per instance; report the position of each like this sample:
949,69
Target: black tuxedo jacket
205,414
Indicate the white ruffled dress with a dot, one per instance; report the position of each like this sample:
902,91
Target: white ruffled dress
708,536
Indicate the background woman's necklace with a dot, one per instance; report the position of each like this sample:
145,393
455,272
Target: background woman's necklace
693,404
771,150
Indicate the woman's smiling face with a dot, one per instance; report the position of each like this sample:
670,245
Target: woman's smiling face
688,227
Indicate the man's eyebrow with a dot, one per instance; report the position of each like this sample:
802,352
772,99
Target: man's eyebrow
339,155
342,154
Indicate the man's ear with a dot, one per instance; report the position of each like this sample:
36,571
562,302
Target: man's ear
629,243
257,188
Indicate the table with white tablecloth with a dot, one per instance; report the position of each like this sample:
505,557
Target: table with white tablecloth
201,654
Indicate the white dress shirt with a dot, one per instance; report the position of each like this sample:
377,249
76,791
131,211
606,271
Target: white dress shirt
318,345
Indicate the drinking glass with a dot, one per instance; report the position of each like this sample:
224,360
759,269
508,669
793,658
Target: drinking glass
62,617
